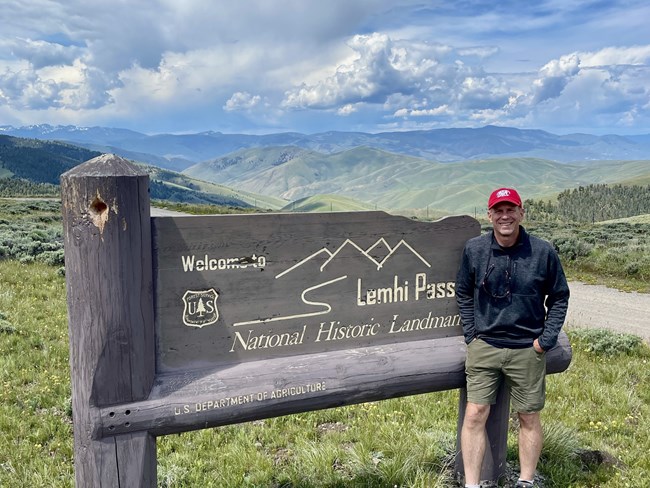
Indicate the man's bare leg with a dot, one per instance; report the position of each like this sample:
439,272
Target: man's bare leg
472,441
531,439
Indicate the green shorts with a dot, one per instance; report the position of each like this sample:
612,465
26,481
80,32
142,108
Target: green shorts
524,370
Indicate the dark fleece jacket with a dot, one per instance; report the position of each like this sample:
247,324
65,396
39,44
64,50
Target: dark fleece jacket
511,296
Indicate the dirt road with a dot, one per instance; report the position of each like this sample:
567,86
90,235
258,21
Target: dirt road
163,212
601,307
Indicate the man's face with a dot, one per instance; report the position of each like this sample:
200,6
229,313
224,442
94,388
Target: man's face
505,218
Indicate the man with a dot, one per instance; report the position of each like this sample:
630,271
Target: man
513,298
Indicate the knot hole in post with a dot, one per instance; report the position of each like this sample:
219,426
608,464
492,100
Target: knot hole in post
98,213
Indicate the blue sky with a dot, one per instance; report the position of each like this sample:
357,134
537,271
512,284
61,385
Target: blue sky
262,66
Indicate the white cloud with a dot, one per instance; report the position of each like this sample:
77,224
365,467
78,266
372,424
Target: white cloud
554,77
406,79
432,112
606,88
75,86
242,101
348,109
479,51
380,68
612,56
483,91
160,50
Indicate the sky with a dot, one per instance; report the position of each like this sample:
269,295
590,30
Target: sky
265,66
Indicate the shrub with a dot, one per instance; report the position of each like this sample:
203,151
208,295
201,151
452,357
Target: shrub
571,248
52,258
632,268
31,231
605,342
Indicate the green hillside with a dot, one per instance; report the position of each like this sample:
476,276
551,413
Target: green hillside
293,173
33,167
637,219
640,180
398,182
463,187
39,161
328,203
191,190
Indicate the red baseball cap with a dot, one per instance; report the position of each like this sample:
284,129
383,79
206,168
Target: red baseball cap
504,195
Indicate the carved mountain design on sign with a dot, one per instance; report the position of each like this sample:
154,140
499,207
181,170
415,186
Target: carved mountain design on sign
379,250
379,254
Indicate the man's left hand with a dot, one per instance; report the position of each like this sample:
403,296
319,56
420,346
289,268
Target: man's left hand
537,347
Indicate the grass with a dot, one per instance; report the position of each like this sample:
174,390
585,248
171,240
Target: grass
35,416
202,209
602,403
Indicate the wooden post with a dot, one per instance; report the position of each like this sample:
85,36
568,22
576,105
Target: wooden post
496,428
105,205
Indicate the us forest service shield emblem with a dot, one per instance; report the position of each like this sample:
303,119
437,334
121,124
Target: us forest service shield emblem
200,307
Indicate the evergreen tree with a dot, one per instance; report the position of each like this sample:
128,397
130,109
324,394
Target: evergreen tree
592,203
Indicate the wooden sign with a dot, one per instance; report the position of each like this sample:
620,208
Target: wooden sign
186,323
241,288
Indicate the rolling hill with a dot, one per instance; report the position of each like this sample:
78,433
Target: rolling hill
328,203
397,182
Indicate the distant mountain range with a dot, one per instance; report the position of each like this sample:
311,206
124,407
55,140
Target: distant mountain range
424,173
179,151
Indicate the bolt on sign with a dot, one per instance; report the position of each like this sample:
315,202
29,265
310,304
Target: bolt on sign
248,287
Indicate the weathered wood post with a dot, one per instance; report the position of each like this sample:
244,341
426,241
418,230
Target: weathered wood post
496,428
110,306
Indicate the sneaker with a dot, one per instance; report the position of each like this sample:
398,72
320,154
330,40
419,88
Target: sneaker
524,484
